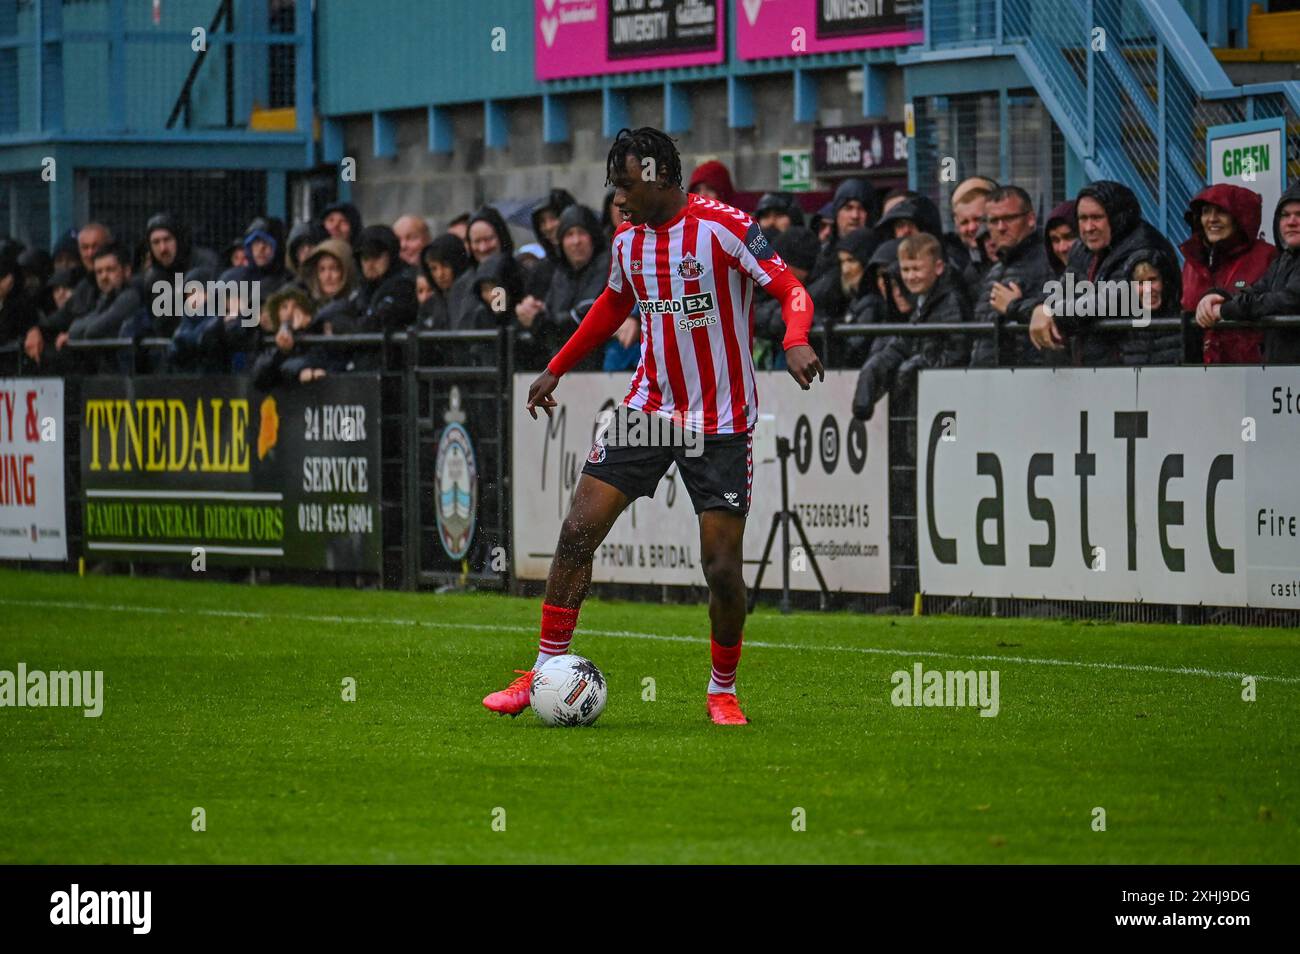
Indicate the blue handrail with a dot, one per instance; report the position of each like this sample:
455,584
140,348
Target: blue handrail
1156,72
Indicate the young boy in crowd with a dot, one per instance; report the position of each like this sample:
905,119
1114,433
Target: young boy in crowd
939,299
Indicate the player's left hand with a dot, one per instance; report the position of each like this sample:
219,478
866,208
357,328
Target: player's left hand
804,365
539,394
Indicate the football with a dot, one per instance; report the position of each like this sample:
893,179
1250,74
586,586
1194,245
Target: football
568,691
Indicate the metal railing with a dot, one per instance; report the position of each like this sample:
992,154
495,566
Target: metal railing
416,391
408,396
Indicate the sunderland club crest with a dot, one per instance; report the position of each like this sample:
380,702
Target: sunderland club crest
455,488
690,267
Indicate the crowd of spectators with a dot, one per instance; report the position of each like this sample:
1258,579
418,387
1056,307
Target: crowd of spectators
866,258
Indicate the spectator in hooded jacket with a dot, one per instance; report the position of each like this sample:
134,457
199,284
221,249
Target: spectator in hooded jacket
836,293
1224,252
61,285
264,251
424,290
577,283
198,344
546,223
67,252
1276,293
18,313
908,215
488,236
797,246
821,223
1159,281
330,273
341,220
1010,284
1059,235
713,181
776,212
303,239
38,266
444,260
1156,279
879,296
852,208
171,251
386,301
496,289
917,213
883,273
893,197
234,255
895,361
1112,237
291,314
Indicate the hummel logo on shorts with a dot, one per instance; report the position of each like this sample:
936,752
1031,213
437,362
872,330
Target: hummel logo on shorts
731,498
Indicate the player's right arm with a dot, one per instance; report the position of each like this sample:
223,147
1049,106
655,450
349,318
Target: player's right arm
605,316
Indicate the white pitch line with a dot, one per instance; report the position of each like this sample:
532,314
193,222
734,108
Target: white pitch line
659,637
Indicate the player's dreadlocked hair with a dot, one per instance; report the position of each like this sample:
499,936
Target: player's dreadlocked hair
644,143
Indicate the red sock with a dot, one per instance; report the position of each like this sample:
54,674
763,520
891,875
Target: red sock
725,661
557,632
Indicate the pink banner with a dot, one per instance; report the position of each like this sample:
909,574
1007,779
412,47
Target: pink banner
595,37
769,28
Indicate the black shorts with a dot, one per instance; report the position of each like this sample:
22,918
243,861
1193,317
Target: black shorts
717,469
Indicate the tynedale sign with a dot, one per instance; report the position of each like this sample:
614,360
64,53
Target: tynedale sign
173,466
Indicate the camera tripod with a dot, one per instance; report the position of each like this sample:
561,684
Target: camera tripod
784,517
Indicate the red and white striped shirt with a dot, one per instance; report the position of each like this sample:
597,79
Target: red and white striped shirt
693,280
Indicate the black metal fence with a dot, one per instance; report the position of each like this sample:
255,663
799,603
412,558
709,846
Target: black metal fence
431,378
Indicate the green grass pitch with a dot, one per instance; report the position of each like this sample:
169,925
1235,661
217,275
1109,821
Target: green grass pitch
228,698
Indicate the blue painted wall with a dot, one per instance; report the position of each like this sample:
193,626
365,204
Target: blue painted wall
395,54
377,55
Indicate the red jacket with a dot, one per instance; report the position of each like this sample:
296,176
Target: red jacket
1226,268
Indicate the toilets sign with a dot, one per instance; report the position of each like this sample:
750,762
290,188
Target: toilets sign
1251,155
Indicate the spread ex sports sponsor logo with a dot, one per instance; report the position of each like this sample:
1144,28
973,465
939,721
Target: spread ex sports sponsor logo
687,305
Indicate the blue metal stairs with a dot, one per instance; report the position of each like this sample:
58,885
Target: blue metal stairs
1131,84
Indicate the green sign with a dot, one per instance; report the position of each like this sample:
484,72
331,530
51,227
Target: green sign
1251,155
796,170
